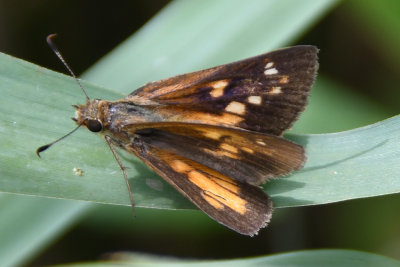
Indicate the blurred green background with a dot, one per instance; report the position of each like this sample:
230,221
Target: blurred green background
360,65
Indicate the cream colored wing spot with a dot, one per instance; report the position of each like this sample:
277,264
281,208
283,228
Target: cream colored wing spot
260,142
284,79
218,88
254,99
269,65
229,148
276,90
212,135
248,150
217,92
271,71
236,107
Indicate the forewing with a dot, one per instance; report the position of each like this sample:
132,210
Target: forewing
264,93
239,206
245,156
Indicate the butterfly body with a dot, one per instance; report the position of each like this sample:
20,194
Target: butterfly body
216,135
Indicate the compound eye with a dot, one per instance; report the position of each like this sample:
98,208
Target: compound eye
94,126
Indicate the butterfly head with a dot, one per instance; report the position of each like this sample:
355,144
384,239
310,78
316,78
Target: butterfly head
90,115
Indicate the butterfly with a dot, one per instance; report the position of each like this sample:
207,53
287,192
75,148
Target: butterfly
215,135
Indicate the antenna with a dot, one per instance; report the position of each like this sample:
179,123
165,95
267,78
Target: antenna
53,47
45,147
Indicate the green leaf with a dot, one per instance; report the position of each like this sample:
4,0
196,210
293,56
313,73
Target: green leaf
363,162
334,107
25,229
39,100
326,258
384,35
191,35
35,102
360,163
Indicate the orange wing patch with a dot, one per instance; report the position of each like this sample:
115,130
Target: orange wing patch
284,79
232,152
182,114
218,190
236,204
178,83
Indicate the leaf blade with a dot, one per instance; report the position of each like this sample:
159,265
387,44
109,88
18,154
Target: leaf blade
361,154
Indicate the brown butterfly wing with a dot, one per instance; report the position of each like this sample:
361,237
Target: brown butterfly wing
239,206
245,156
265,93
214,134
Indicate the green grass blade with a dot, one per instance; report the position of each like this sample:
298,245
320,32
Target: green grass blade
21,222
360,163
40,99
384,35
317,258
35,102
363,162
334,107
190,35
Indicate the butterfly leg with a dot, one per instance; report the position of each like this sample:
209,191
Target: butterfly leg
123,168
